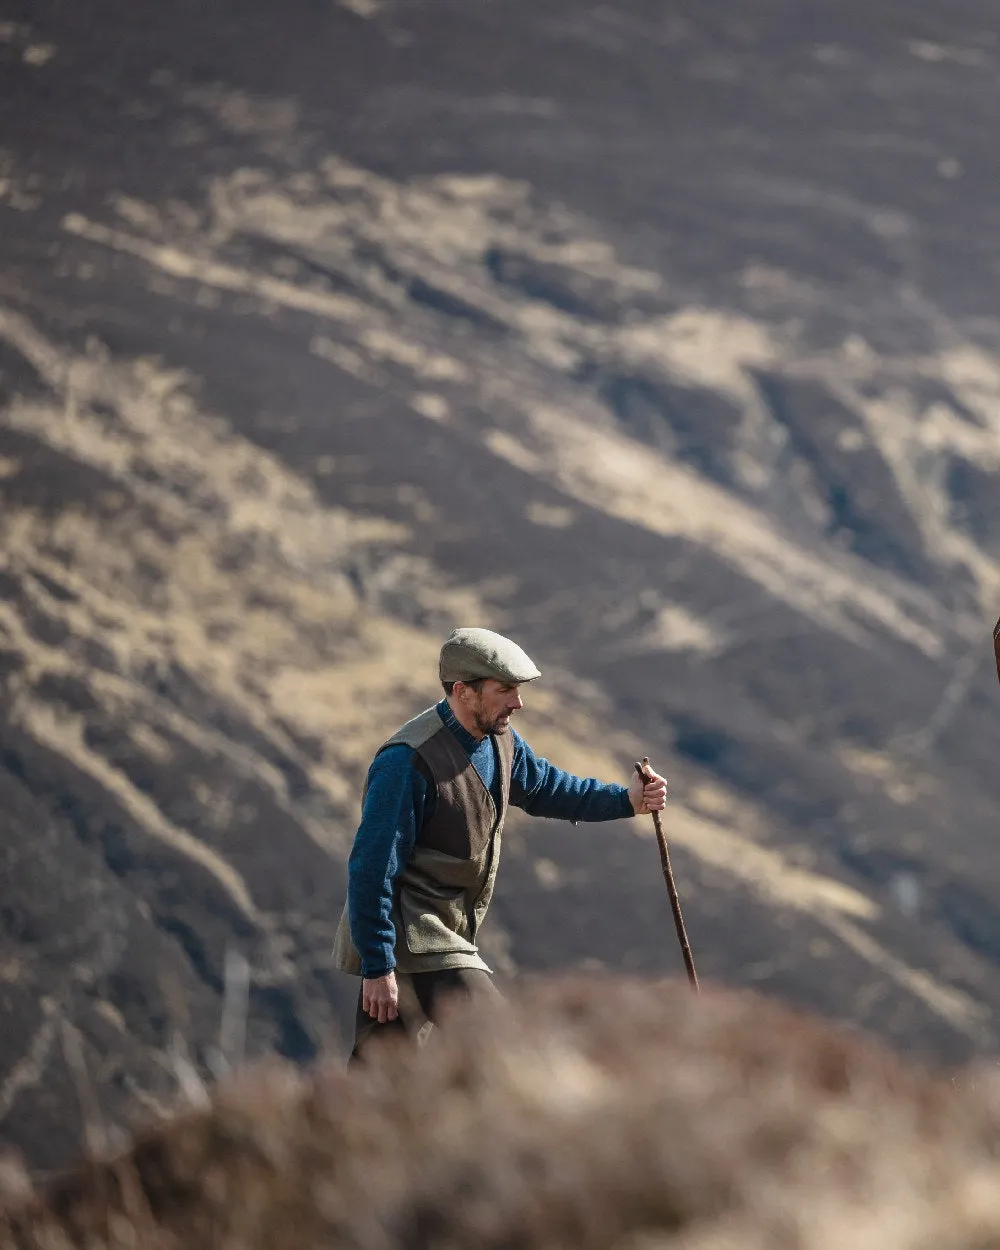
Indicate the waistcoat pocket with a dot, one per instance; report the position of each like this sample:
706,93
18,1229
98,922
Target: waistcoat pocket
436,893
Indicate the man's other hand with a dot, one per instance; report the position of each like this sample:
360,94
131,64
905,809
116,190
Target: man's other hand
380,997
648,796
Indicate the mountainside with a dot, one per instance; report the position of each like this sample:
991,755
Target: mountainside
663,343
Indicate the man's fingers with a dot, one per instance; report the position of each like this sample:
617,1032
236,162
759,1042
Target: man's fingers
654,794
381,1006
379,996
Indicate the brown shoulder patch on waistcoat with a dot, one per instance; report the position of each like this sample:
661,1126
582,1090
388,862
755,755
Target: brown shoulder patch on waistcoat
464,817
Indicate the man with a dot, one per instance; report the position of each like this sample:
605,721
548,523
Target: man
424,861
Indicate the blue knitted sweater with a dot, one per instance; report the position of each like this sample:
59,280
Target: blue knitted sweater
400,799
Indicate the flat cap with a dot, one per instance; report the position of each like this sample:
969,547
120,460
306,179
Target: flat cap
469,654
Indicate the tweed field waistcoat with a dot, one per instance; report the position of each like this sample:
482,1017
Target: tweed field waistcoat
441,896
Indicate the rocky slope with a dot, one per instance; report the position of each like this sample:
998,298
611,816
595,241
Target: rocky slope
663,343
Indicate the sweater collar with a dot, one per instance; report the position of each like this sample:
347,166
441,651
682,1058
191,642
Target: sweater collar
466,740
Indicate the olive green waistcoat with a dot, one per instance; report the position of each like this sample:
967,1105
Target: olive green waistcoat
441,896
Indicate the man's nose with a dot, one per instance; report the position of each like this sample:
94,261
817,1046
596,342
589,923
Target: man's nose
515,703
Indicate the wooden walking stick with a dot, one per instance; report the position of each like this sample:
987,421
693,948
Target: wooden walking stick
644,772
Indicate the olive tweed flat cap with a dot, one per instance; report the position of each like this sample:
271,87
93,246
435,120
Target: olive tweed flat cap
469,654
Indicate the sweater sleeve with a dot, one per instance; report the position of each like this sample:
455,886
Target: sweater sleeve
541,789
393,811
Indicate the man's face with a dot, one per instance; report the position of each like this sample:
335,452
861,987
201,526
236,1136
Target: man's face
493,706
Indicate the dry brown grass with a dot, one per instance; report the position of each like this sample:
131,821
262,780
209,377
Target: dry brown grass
585,1114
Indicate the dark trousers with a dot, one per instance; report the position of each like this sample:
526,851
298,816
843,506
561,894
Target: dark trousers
431,989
